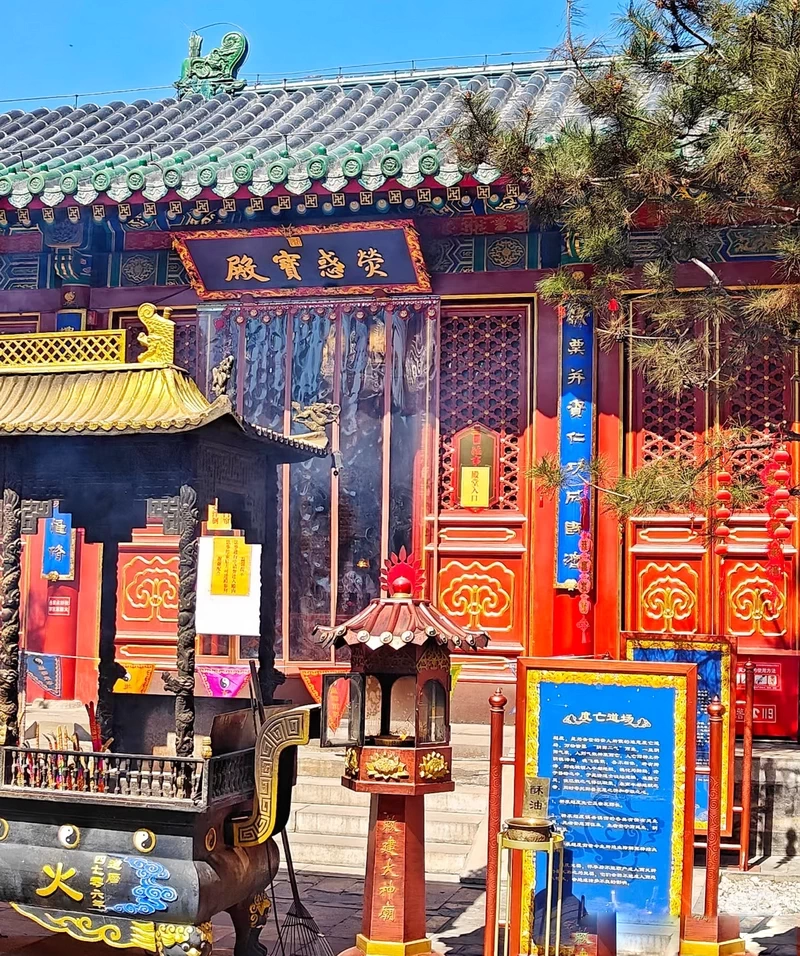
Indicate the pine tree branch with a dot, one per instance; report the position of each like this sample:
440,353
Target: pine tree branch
673,9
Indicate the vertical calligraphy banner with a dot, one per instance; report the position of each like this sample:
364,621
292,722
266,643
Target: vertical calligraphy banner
616,740
575,435
58,559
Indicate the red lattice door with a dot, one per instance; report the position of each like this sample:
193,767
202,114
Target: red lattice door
668,565
481,542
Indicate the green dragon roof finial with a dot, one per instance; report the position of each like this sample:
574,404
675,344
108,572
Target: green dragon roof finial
215,72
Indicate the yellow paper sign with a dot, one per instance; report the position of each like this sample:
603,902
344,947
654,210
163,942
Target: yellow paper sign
474,488
218,521
230,570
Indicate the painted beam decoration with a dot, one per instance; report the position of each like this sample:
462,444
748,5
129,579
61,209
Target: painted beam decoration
345,259
616,740
715,663
575,437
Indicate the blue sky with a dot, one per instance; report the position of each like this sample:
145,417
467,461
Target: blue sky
53,47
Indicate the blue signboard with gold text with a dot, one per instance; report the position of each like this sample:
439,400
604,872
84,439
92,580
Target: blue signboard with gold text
58,557
715,667
575,436
346,259
616,741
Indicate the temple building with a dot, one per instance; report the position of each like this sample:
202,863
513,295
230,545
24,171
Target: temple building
333,271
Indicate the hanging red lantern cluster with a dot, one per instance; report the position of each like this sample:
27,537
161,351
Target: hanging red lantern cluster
585,548
722,512
775,477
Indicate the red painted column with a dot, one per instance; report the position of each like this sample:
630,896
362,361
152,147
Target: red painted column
545,636
61,634
394,892
497,704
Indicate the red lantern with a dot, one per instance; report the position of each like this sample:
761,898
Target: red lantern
782,456
613,305
724,495
782,494
782,513
723,513
781,474
723,477
781,532
721,548
722,531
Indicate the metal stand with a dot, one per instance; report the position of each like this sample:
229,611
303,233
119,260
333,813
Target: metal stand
497,704
553,848
713,933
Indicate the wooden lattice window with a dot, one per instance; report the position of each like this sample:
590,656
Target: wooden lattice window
482,369
667,425
762,395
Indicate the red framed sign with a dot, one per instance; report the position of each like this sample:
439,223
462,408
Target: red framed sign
353,258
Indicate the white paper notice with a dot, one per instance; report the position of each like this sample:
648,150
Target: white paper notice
222,613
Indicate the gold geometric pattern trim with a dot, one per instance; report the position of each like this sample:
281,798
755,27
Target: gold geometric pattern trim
150,586
90,929
478,593
755,601
532,704
287,728
62,351
668,598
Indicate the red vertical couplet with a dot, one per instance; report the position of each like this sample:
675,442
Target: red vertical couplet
394,893
497,703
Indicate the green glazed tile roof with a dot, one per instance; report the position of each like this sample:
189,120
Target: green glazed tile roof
370,130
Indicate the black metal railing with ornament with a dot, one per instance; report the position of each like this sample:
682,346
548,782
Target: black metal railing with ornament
126,777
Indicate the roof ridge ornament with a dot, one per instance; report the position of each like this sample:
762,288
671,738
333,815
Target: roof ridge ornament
159,339
216,71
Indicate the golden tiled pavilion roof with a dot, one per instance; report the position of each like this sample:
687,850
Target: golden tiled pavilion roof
78,383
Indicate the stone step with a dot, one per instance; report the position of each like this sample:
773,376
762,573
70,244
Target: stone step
472,740
451,828
328,791
348,853
316,762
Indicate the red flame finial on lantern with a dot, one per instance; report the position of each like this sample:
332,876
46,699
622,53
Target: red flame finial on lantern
402,575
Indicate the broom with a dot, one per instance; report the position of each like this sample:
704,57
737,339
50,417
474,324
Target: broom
299,935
